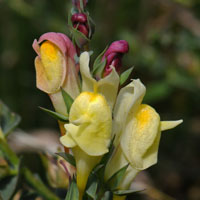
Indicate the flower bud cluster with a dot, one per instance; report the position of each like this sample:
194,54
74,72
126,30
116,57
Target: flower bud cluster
79,21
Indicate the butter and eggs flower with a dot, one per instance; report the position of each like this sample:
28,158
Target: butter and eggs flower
88,133
138,129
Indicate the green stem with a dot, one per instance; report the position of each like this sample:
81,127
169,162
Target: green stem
38,185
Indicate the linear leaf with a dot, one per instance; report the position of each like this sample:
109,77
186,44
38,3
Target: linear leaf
8,119
55,115
73,193
67,99
68,157
91,191
124,76
126,192
116,178
98,62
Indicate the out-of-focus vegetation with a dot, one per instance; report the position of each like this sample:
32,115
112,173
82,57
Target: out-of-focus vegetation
164,39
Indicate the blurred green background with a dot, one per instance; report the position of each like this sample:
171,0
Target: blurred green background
164,39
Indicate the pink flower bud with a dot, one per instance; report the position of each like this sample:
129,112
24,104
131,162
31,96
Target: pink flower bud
79,21
114,55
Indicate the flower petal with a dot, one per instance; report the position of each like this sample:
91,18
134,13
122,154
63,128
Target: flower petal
87,81
67,139
108,87
128,101
93,116
140,139
165,125
49,74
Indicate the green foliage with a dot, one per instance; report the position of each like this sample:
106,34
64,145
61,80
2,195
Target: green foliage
99,65
73,193
8,120
67,99
125,75
116,178
68,157
55,115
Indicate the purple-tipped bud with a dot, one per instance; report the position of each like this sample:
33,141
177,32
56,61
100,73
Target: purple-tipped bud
79,21
76,3
114,55
79,18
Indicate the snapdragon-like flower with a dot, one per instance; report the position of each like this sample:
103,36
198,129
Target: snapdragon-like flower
55,67
89,132
114,55
138,129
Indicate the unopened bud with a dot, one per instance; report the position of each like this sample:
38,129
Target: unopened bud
79,21
114,55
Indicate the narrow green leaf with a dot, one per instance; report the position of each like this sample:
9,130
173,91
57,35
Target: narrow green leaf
8,119
124,76
98,62
68,157
107,196
92,189
73,193
126,192
55,115
9,155
78,37
67,99
38,185
116,178
8,186
99,72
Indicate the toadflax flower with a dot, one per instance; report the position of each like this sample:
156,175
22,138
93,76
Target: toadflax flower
55,67
138,129
114,54
89,132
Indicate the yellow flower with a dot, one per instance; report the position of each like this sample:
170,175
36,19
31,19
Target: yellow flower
138,129
89,132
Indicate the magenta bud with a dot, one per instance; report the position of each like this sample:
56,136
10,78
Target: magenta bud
79,18
79,21
114,55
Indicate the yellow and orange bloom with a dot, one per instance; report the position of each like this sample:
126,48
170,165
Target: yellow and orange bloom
89,132
138,129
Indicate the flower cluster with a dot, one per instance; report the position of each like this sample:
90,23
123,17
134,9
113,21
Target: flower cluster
95,113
